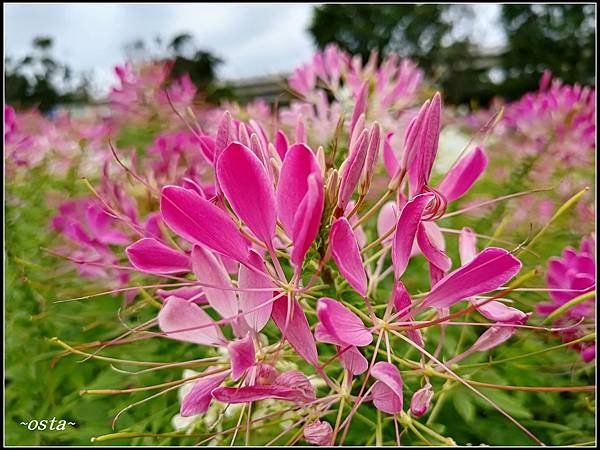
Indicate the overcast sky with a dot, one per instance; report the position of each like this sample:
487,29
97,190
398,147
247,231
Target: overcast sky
255,39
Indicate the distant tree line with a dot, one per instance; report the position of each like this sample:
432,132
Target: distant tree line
39,80
538,37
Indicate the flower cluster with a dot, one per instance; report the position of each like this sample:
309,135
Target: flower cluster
303,249
572,280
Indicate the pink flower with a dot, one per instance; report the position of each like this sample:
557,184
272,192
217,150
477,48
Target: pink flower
573,275
419,403
318,433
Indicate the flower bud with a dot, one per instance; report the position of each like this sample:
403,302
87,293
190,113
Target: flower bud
332,186
371,159
419,404
352,170
321,159
319,433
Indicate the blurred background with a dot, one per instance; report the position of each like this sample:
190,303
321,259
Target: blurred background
63,55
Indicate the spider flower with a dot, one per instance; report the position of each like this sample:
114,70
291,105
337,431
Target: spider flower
570,276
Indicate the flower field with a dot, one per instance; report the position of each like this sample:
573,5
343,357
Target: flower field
361,265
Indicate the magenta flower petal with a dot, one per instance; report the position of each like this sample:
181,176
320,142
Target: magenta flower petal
461,177
246,185
242,356
390,161
372,150
185,292
434,254
296,380
150,255
199,221
346,254
299,163
246,394
386,219
199,398
353,360
318,433
185,321
402,302
256,316
426,146
387,391
224,132
467,245
406,230
499,312
419,403
489,270
361,105
209,270
308,219
493,337
342,324
281,144
352,170
297,332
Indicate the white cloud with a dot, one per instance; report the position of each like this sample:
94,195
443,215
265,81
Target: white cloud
253,39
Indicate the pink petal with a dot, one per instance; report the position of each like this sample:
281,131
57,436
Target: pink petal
299,163
246,185
419,403
185,321
346,254
492,337
352,170
402,302
432,252
467,245
361,105
489,270
256,316
426,146
499,312
390,161
387,391
242,356
199,398
210,271
150,255
224,132
246,394
207,147
281,144
462,176
372,150
184,292
296,380
297,332
342,324
318,433
197,220
406,229
353,360
307,219
589,353
386,220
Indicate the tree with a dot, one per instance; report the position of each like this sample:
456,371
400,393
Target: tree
38,80
551,36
